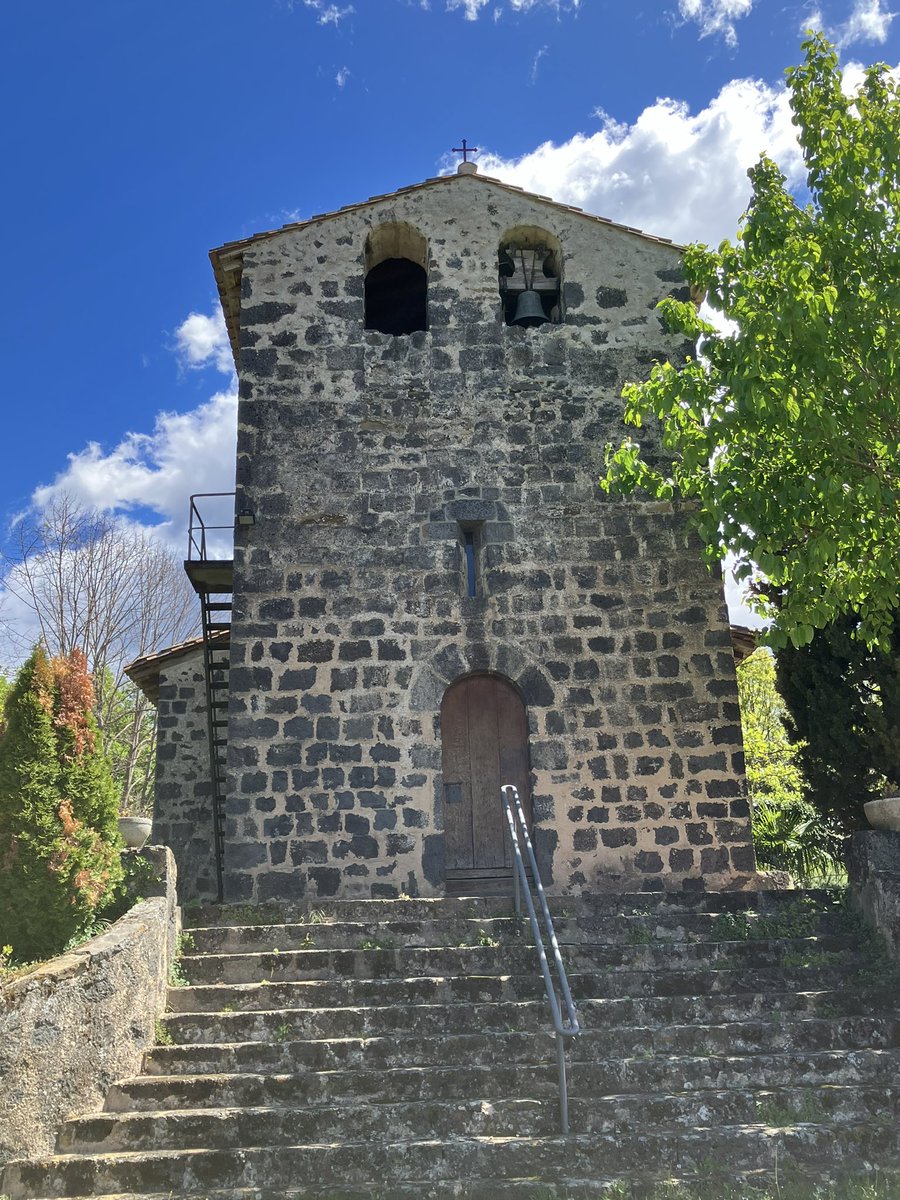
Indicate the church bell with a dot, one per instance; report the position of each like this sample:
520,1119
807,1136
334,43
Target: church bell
529,310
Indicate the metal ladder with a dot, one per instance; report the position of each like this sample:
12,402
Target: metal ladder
213,581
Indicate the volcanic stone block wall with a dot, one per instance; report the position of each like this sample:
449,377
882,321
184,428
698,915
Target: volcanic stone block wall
364,457
182,811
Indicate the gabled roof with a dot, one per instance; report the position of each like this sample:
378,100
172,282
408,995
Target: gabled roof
228,260
145,671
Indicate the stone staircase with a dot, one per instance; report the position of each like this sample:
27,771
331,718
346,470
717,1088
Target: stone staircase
401,1049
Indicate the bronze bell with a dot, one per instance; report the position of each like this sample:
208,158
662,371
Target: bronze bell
529,310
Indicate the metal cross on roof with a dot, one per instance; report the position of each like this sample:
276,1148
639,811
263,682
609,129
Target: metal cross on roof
465,150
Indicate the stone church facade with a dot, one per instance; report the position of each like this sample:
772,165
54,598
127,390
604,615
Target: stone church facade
435,595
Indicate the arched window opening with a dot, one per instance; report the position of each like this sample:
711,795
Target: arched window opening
530,275
396,287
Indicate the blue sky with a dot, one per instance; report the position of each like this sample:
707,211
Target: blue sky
139,135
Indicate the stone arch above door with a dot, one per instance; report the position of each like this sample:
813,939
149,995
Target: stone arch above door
484,745
455,660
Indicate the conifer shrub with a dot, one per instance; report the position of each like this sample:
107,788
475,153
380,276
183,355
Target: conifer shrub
59,845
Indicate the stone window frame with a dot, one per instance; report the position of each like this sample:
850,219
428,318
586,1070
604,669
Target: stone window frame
395,240
531,237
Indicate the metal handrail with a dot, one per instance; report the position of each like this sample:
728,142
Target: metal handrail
515,818
197,528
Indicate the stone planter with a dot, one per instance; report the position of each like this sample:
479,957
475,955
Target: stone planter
134,831
884,813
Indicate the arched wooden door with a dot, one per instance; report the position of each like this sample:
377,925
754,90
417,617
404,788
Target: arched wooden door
484,744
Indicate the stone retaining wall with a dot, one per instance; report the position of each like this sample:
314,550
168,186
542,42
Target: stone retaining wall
75,1024
874,868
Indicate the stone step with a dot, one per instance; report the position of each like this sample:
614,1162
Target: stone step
813,1147
442,908
533,1074
515,958
612,928
275,1052
875,1185
531,1115
263,1024
461,988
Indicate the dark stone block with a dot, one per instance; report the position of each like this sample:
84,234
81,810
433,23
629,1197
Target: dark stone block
297,681
344,680
310,606
284,754
281,609
648,861
681,860
327,728
545,841
698,763
598,767
743,858
328,822
384,891
723,787
354,651
714,861
609,297
281,885
384,819
245,854
266,313
321,651
599,816
648,765
698,835
665,835
362,777
536,691
326,879
433,858
354,823
627,814
585,839
345,754
714,809
299,728
381,752
667,665
616,838
414,818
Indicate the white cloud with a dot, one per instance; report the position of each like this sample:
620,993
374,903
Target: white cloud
869,21
203,341
673,173
186,453
342,76
329,14
715,16
536,62
472,8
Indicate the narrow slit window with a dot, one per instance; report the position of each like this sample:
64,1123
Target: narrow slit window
471,563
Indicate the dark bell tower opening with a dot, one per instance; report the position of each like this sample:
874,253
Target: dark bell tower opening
396,297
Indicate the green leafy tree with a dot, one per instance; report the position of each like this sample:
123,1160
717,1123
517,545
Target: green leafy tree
59,849
785,433
844,700
788,833
772,758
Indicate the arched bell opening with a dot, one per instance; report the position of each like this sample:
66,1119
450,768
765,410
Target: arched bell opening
484,745
530,276
396,283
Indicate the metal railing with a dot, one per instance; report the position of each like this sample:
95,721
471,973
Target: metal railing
570,1027
198,528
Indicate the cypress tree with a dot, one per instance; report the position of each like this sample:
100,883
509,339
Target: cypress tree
59,854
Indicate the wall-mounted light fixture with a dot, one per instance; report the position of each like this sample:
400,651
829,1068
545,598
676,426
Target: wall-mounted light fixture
246,517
